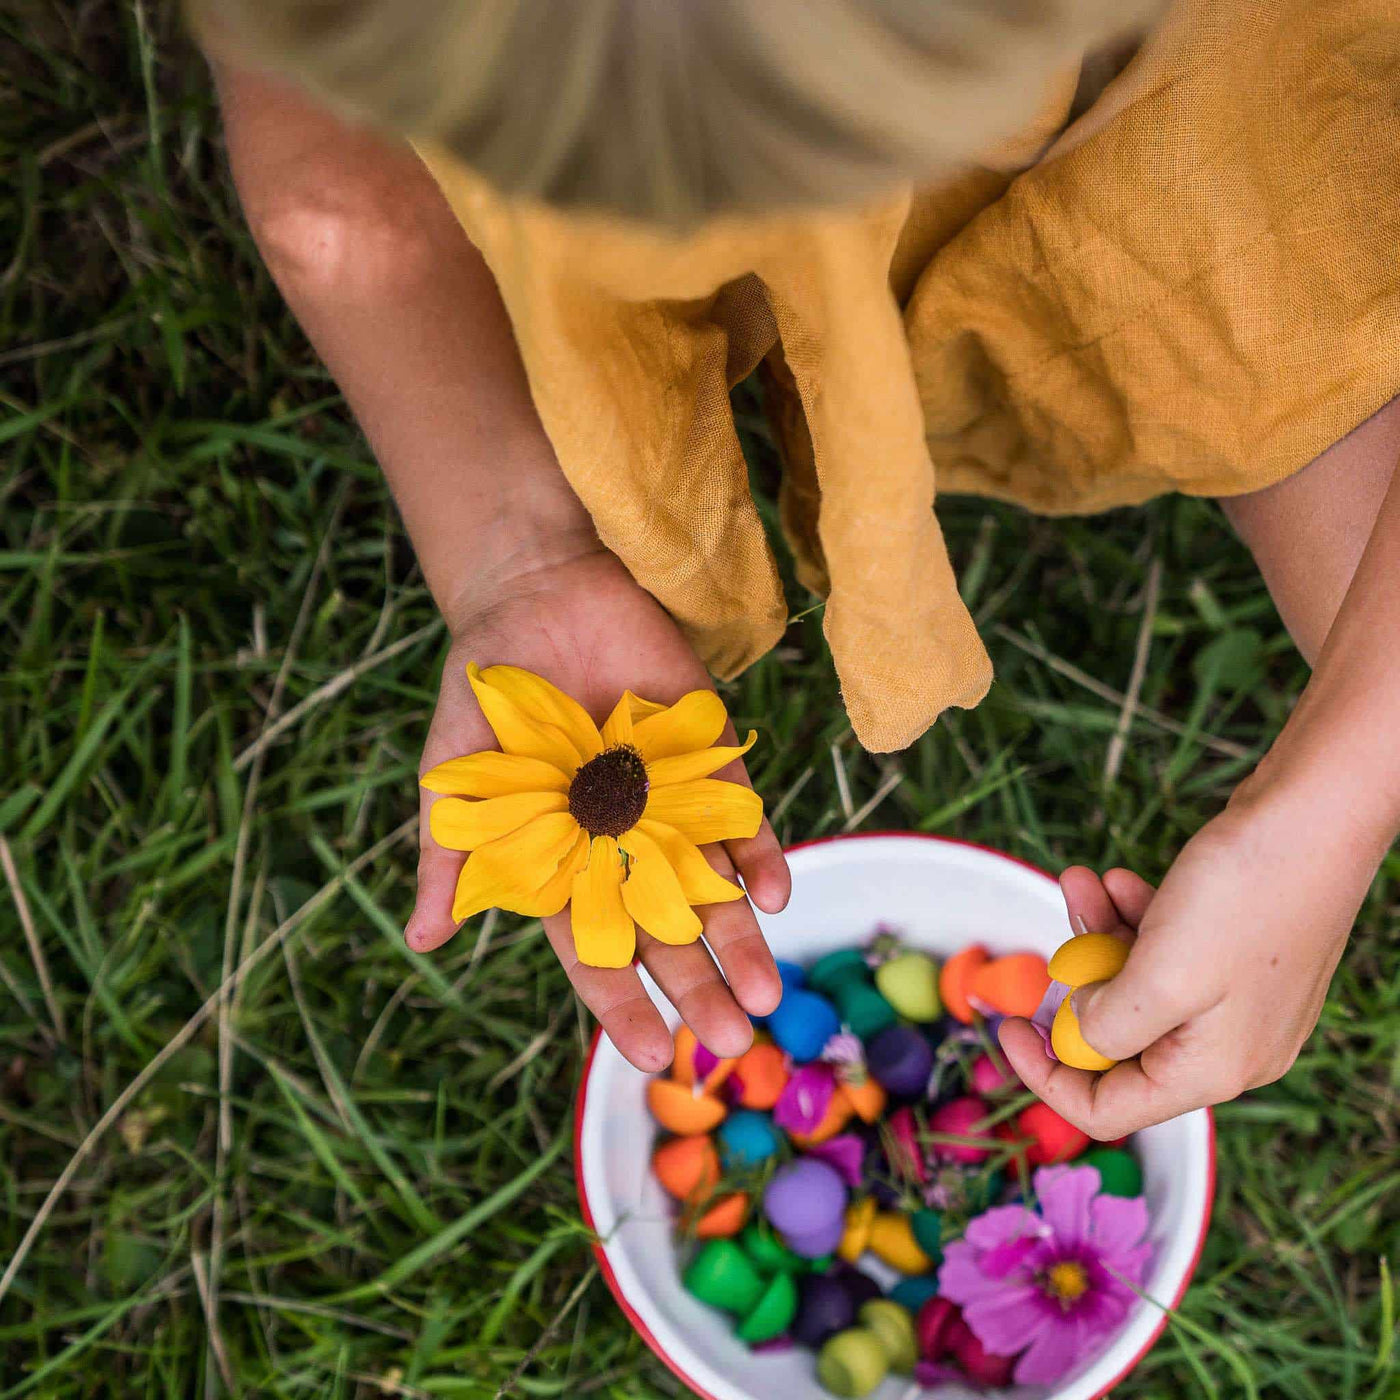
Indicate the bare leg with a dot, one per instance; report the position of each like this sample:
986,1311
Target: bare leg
1307,534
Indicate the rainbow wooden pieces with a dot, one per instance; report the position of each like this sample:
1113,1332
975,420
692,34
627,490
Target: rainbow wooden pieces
960,1122
687,1167
1119,1173
828,1156
854,1362
1052,1139
680,1108
725,1218
759,1076
844,978
748,1139
955,981
806,1203
1088,958
901,1059
909,983
1009,986
802,1023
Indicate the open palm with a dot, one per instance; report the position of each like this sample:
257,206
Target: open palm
587,627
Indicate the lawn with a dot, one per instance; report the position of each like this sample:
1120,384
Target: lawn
345,1172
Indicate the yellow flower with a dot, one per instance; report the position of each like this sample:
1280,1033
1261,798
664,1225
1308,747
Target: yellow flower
611,820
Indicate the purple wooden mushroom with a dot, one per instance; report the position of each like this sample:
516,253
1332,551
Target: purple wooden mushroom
901,1060
806,1203
825,1306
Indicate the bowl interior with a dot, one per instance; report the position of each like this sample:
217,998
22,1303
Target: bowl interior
940,895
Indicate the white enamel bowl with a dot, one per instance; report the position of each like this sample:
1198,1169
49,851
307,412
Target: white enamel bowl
941,895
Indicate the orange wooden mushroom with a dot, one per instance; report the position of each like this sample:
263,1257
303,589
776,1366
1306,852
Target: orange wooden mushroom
683,1110
763,1072
955,981
867,1100
837,1115
687,1167
1013,985
725,1218
683,1065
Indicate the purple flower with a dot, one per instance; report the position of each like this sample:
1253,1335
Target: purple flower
845,1152
805,1098
843,1049
1051,1284
1044,1016
885,943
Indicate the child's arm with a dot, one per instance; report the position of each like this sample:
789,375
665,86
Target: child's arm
405,314
1235,952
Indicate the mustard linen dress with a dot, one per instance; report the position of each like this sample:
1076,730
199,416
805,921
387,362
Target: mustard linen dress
1194,286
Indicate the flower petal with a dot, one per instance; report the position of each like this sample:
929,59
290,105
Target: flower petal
1119,1222
526,859
477,889
805,1099
603,931
519,733
1065,1195
547,704
515,871
1008,1320
618,729
463,826
695,721
653,894
1044,1015
1004,1225
700,881
700,764
1054,1352
959,1278
492,774
707,809
556,892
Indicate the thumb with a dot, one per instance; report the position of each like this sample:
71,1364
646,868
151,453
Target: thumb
1120,1018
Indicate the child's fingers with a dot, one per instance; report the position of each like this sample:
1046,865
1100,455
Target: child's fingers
1130,893
1106,1106
764,868
758,859
693,985
733,935
431,924
618,1001
1087,902
1151,996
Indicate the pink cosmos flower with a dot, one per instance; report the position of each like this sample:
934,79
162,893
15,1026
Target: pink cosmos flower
1051,1284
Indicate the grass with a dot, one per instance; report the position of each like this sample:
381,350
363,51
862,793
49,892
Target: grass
345,1172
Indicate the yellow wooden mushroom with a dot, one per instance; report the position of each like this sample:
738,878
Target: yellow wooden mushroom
1090,957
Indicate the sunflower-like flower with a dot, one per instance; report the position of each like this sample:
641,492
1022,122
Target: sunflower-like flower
609,821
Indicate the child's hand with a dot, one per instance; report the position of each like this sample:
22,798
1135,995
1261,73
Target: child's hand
588,627
1227,977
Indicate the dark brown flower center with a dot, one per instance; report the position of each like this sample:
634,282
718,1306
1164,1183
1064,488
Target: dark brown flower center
609,793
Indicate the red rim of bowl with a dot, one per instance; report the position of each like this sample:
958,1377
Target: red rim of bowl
600,1254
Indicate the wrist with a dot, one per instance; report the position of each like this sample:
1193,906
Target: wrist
532,534
1312,783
